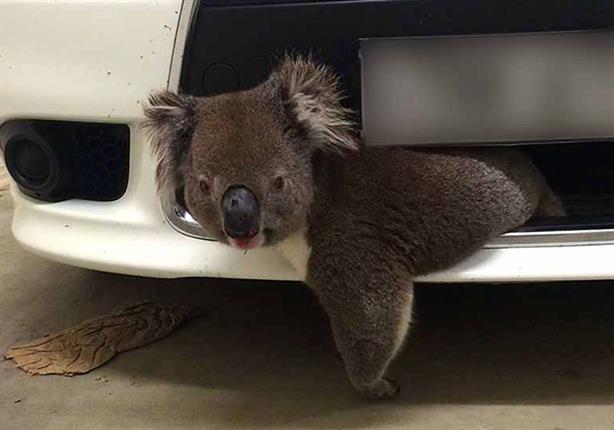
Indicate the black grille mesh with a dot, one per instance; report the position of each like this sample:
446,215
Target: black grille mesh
101,155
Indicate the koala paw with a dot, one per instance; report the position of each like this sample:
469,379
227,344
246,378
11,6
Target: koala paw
381,389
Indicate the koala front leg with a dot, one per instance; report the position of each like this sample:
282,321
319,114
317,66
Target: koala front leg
370,311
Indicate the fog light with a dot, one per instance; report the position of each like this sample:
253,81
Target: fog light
32,164
28,162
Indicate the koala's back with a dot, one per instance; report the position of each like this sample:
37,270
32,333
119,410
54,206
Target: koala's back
423,209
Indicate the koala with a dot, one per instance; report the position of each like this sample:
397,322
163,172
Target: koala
280,165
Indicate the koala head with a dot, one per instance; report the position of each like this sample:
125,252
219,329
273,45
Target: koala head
243,161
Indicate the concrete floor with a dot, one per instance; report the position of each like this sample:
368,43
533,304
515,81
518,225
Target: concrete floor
480,357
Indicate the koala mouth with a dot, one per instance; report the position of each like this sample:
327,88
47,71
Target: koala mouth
249,243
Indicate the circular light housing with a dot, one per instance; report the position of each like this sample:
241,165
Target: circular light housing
30,163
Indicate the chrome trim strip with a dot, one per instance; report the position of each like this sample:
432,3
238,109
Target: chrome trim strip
186,15
553,238
175,214
181,220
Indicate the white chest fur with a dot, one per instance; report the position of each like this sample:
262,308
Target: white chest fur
296,251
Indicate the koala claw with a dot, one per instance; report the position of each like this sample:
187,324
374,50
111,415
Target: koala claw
339,360
379,390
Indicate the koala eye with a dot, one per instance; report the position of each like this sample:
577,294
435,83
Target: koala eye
203,184
279,183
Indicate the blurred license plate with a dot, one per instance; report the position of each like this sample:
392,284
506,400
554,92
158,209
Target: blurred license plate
488,89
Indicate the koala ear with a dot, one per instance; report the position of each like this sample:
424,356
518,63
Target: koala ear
171,119
312,98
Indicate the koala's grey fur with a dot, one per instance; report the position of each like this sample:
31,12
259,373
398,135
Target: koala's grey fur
373,218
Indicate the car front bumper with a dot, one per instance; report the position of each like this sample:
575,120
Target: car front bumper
96,61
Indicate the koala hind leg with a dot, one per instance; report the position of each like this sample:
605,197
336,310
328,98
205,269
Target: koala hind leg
549,205
370,315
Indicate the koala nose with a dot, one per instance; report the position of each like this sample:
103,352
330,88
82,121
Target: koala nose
241,213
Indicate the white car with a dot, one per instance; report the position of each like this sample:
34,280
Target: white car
73,76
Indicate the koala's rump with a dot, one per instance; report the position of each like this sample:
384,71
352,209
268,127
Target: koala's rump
423,209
